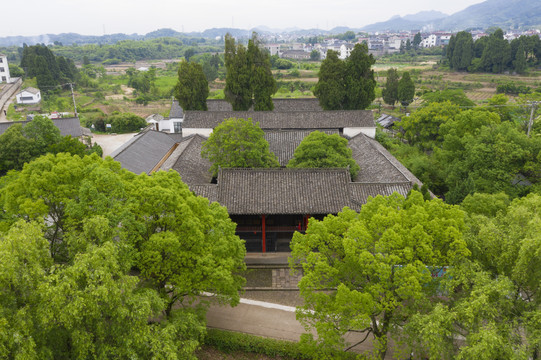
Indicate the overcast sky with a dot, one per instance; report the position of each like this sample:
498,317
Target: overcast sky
96,17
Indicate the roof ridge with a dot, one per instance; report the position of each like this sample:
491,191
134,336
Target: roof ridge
131,141
381,183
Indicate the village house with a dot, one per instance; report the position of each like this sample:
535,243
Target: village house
28,95
269,205
4,69
67,126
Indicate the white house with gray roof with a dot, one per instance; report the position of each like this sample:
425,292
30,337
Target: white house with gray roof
4,69
28,95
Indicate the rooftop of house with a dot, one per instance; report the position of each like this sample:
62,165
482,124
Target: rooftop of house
292,191
284,142
67,126
283,191
187,161
306,104
143,152
30,90
283,119
387,120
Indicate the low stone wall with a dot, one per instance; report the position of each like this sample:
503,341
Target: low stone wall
8,91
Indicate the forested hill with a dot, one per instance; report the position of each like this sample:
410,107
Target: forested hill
78,39
504,14
501,13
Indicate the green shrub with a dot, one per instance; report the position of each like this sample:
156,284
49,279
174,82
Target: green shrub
228,341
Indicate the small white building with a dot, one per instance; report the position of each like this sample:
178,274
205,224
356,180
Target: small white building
29,95
4,69
430,41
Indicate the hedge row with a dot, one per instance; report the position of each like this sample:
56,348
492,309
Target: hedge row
228,341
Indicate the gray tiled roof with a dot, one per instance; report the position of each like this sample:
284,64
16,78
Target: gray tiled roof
292,191
284,142
361,191
144,151
305,104
377,164
176,111
67,126
283,120
187,161
387,120
209,191
284,191
30,90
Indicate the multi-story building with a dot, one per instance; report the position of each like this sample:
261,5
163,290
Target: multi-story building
4,69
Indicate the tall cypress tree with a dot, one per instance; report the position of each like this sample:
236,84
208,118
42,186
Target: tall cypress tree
406,89
349,84
249,79
390,93
520,60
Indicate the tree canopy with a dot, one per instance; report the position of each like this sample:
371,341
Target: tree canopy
96,261
249,79
346,84
406,89
238,143
320,150
192,87
390,92
20,144
370,272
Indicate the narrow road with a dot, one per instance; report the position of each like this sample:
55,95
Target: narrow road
270,320
6,105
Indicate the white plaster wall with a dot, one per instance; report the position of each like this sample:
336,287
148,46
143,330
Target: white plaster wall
353,131
191,131
35,98
4,64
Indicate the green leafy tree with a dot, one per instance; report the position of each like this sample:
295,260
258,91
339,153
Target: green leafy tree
249,80
15,149
390,92
126,122
262,81
359,79
460,51
188,53
422,128
238,143
417,40
520,60
330,88
406,89
96,223
486,160
496,53
457,97
320,150
237,90
370,272
346,84
315,55
192,87
493,302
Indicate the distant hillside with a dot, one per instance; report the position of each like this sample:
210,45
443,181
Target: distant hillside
501,13
409,22
507,14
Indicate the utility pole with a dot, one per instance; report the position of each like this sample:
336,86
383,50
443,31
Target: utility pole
73,97
534,107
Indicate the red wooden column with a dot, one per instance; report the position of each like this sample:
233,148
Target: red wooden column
263,236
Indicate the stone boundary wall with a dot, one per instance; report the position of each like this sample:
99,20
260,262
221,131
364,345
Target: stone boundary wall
8,91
